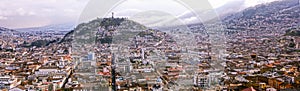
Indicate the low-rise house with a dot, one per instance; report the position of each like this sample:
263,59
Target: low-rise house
8,82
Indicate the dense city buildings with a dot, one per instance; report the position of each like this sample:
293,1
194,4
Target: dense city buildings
259,51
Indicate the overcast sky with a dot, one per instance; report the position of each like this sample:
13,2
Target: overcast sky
35,13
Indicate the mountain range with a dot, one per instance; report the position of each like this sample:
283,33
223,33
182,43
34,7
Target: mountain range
6,30
54,27
279,16
3,29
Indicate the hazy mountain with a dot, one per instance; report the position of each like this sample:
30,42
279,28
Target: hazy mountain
6,30
55,27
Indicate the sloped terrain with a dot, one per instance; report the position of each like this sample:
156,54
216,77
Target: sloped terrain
278,17
93,30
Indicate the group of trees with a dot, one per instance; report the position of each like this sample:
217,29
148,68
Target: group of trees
106,40
106,22
39,43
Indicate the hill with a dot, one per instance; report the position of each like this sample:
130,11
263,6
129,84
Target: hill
93,30
278,16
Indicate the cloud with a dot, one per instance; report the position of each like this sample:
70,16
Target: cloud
221,8
23,12
3,18
231,7
191,19
250,3
34,13
127,12
186,14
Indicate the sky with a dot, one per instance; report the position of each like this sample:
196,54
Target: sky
35,13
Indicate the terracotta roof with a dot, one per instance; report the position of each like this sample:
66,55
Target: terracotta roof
249,89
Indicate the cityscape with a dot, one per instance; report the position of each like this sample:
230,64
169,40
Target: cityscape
254,49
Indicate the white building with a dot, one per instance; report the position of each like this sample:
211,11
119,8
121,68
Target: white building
43,72
202,81
91,56
206,81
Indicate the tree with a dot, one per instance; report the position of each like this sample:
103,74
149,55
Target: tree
50,87
39,43
292,45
